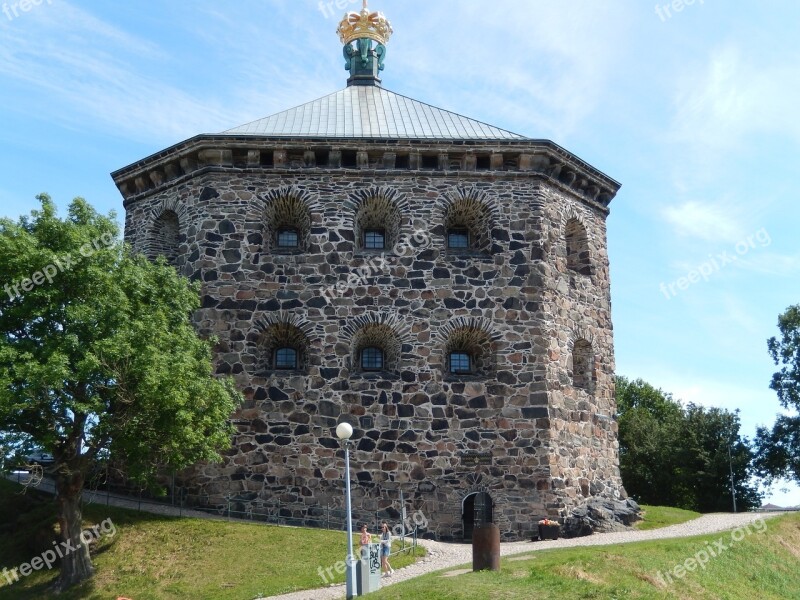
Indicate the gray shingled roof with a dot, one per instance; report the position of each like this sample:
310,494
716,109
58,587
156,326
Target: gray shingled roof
371,112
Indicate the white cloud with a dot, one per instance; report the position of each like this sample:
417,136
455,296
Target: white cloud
713,222
734,96
548,81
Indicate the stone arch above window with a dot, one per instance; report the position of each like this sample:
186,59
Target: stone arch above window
377,212
468,216
278,338
579,256
469,342
581,367
287,218
382,332
164,237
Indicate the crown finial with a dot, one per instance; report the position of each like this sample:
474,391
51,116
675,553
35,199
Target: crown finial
367,24
363,61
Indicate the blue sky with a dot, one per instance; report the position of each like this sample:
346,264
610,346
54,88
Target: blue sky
694,111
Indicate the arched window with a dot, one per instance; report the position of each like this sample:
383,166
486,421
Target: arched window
469,349
377,219
287,221
375,344
578,254
164,238
372,359
468,221
280,346
286,359
583,366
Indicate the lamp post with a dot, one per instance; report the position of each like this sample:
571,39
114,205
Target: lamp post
730,466
344,431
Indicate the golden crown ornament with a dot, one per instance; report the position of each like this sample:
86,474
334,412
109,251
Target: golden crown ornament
365,25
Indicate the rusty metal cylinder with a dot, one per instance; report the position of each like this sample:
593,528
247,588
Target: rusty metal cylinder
486,548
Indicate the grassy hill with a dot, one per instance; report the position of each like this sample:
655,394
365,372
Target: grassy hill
163,558
763,564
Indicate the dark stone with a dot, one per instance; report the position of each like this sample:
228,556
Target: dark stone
405,410
477,402
453,303
534,412
365,444
601,515
506,377
226,227
232,256
277,394
317,302
208,193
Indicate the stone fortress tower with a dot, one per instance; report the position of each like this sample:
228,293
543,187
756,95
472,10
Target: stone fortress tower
439,283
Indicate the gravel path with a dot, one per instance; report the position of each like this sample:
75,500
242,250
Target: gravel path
446,556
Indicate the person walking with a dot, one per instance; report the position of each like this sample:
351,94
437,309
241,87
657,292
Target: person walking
386,550
366,538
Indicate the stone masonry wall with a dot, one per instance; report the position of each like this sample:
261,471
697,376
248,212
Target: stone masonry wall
418,428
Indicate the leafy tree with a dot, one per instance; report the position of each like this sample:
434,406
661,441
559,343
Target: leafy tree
650,424
98,355
779,447
672,455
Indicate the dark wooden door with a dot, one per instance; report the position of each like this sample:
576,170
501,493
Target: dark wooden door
478,510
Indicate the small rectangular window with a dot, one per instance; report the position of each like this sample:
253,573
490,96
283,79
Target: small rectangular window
460,362
288,238
458,239
374,239
286,359
372,359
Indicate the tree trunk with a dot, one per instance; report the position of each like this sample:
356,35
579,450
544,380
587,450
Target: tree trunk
76,564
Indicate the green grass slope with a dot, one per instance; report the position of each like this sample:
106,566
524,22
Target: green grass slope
163,558
655,517
763,563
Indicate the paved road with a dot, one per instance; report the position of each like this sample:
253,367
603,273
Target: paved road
446,556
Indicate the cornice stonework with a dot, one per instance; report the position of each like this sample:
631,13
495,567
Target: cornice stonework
539,158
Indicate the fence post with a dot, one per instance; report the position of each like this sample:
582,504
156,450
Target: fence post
328,515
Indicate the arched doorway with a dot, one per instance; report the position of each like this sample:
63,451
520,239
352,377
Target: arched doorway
476,509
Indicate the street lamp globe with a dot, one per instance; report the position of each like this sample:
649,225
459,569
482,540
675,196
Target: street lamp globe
344,431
